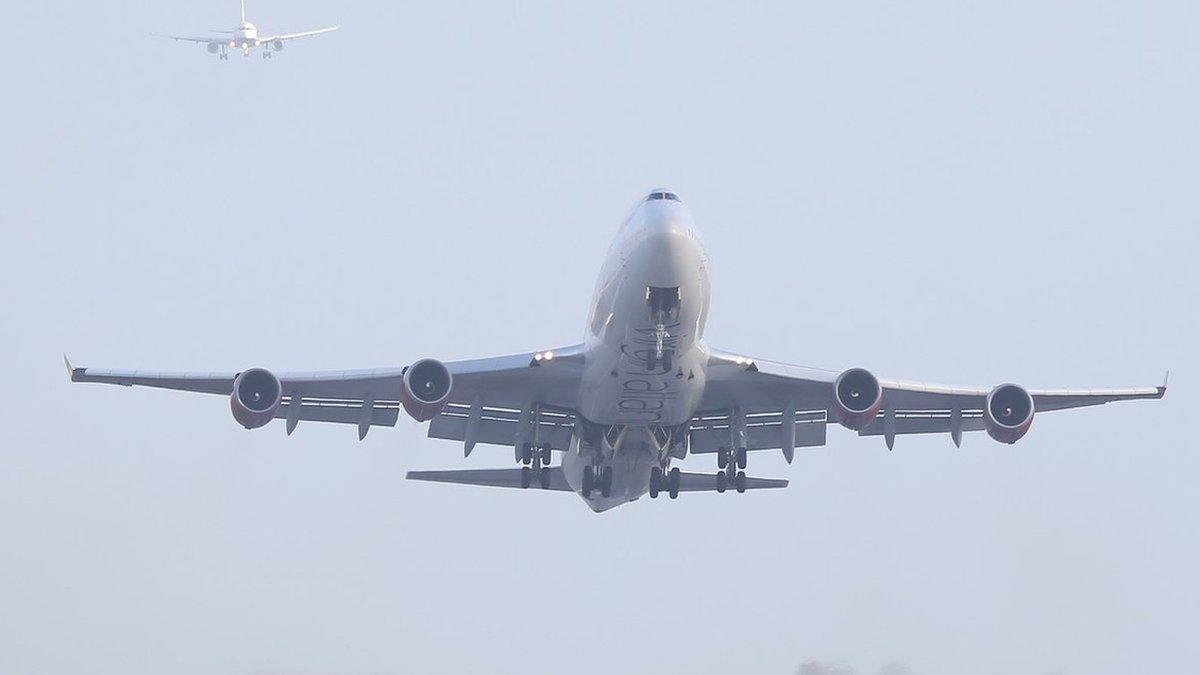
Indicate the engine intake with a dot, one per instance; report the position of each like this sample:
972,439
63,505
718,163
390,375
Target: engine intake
857,397
278,45
1008,413
427,385
256,396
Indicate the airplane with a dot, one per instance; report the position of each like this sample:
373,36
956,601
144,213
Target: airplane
245,36
643,390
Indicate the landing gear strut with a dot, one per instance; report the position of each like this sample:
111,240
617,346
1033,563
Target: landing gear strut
727,460
536,463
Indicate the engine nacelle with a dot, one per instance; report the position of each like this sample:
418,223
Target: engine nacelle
278,45
256,396
857,398
426,390
1008,413
213,47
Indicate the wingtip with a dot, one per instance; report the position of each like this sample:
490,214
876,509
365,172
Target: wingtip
1162,389
70,368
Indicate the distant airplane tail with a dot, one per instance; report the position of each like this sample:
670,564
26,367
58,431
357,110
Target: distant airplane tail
243,11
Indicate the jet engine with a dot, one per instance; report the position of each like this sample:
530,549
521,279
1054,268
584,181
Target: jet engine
1008,413
857,398
213,47
278,45
426,389
256,396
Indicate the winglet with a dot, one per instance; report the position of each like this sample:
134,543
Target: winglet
70,369
1163,389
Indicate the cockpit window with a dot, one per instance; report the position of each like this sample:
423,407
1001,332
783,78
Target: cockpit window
663,195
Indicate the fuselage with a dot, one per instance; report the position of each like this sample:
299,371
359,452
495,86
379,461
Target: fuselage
645,359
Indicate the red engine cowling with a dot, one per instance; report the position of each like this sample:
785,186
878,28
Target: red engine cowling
256,396
857,398
1008,413
426,390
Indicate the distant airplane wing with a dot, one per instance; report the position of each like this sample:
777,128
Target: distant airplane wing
759,395
293,36
188,38
519,381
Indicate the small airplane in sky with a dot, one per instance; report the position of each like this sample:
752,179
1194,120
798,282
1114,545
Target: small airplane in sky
246,37
642,391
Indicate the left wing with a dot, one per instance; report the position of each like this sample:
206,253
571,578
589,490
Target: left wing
760,400
293,36
373,397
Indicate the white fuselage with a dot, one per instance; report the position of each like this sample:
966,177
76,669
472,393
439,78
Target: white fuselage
651,299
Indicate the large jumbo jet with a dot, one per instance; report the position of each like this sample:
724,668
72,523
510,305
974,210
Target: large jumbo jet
245,37
643,390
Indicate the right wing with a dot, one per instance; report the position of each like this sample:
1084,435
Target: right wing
207,40
521,382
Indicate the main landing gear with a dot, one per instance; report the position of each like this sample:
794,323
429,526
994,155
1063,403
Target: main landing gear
727,460
664,482
536,463
597,479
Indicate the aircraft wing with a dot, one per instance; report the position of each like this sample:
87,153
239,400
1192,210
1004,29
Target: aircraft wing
293,36
373,397
762,394
204,39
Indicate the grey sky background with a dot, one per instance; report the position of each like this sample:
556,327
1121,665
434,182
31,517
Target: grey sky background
956,192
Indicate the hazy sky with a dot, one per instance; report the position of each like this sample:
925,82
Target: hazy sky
956,192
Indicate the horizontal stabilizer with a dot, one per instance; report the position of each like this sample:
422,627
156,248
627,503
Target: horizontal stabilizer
506,478
707,482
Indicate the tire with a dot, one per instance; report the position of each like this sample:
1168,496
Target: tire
741,458
722,481
526,477
673,482
722,458
656,480
740,480
589,480
544,478
546,456
606,477
526,453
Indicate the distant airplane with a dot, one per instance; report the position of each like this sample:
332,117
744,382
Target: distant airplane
246,37
642,390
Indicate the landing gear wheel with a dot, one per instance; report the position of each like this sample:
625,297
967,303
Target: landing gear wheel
673,483
526,453
526,477
606,477
544,477
589,481
722,481
741,458
546,456
722,458
656,482
740,481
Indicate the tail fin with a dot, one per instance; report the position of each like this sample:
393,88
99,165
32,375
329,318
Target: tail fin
243,11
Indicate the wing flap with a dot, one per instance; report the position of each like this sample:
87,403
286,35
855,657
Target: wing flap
764,431
500,426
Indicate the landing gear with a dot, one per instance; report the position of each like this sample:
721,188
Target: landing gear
673,479
722,482
742,460
526,453
656,482
544,478
664,482
728,456
597,479
526,477
267,53
740,482
546,456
